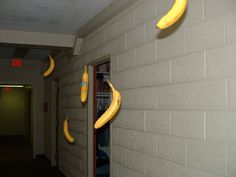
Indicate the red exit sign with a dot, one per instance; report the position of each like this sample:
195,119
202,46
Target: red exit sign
6,89
16,63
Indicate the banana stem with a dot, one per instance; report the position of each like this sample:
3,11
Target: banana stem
110,84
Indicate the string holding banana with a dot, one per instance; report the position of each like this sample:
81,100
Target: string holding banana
50,68
84,85
173,15
112,109
66,132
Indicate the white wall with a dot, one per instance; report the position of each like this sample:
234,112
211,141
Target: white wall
30,73
178,92
12,112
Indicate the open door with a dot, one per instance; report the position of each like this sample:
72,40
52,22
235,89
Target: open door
101,137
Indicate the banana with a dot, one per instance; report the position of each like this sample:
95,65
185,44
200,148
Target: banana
84,85
112,110
67,134
173,15
50,68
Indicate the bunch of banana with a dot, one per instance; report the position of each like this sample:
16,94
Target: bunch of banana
112,110
173,15
67,134
84,85
50,68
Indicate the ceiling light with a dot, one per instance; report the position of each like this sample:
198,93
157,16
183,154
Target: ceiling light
16,86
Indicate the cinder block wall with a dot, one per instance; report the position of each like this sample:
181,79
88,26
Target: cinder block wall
178,88
72,158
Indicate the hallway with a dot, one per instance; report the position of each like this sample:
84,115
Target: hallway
118,88
38,167
14,147
16,160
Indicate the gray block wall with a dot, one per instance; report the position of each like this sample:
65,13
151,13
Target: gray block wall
178,91
72,158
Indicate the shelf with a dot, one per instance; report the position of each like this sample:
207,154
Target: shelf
103,94
105,73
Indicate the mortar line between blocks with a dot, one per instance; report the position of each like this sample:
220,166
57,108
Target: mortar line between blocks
156,12
134,20
186,152
118,63
145,34
146,78
170,131
170,63
156,52
203,10
227,160
204,124
145,120
185,43
205,65
226,93
224,28
204,174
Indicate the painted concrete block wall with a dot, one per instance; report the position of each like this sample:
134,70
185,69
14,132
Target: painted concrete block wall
177,117
72,158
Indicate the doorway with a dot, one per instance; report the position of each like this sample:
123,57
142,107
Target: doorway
16,122
55,123
101,137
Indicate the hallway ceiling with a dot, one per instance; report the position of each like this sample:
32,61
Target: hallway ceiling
50,16
23,53
53,16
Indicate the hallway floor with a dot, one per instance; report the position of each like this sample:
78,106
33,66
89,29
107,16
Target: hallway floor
14,147
16,160
38,167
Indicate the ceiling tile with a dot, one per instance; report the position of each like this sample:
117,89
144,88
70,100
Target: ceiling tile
55,16
10,4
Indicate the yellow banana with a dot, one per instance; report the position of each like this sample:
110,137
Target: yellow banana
84,85
67,134
112,110
173,15
50,68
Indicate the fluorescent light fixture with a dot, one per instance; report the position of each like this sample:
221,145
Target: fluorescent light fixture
16,86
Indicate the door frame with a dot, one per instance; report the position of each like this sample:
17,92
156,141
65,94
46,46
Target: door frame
90,122
55,122
90,114
28,111
34,117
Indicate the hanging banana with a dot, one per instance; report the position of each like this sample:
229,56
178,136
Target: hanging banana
50,68
112,110
67,134
173,15
84,85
